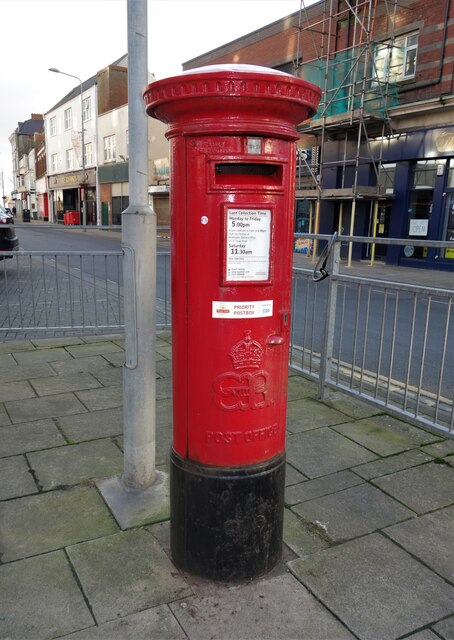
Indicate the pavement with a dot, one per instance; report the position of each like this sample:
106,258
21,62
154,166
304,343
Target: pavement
368,534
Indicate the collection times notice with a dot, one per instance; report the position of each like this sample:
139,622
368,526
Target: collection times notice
248,245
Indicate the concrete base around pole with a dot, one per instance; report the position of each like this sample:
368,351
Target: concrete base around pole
136,507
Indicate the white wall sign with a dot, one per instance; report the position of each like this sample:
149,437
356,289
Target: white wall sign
418,227
242,309
248,245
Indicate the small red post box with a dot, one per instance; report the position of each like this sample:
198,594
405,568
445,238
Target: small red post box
232,148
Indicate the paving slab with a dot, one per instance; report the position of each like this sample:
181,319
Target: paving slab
76,463
63,404
109,376
307,414
352,407
426,634
277,607
292,476
445,628
41,355
92,425
115,359
440,449
323,451
375,588
16,391
104,398
41,599
117,338
163,388
429,538
94,349
6,361
352,512
398,462
89,364
137,507
26,372
158,623
300,537
385,435
164,350
299,387
48,521
17,345
15,478
4,417
29,436
424,488
164,412
164,368
125,573
64,383
48,343
320,487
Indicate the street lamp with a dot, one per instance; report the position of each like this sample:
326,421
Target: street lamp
84,203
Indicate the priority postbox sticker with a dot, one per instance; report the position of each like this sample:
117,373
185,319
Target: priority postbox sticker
243,309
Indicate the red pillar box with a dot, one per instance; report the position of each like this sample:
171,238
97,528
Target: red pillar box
232,135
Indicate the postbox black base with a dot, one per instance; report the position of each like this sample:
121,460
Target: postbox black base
226,523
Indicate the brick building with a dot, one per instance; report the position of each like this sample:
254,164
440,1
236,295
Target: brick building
378,158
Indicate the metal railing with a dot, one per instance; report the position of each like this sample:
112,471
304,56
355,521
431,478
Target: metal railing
390,343
56,291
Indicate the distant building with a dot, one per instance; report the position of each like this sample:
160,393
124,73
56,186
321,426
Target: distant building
378,158
22,141
105,182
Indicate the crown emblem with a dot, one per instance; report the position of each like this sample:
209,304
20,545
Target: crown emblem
246,354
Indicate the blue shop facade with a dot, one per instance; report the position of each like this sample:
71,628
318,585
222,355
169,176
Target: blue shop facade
413,174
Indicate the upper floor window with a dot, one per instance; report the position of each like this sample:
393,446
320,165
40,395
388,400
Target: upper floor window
109,149
54,163
53,126
88,154
86,109
68,119
396,60
69,159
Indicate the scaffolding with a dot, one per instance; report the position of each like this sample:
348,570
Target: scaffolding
338,50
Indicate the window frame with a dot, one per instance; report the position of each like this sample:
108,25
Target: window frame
53,126
110,148
69,158
387,66
86,109
68,118
88,154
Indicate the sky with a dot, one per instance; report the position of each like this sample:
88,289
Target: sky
83,36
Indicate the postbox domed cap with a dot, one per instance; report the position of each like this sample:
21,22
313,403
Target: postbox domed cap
232,98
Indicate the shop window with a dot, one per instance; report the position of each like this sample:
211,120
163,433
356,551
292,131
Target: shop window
420,205
386,177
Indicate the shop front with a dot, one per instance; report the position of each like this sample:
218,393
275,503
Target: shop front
67,192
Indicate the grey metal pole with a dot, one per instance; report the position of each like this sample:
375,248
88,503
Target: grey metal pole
139,273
